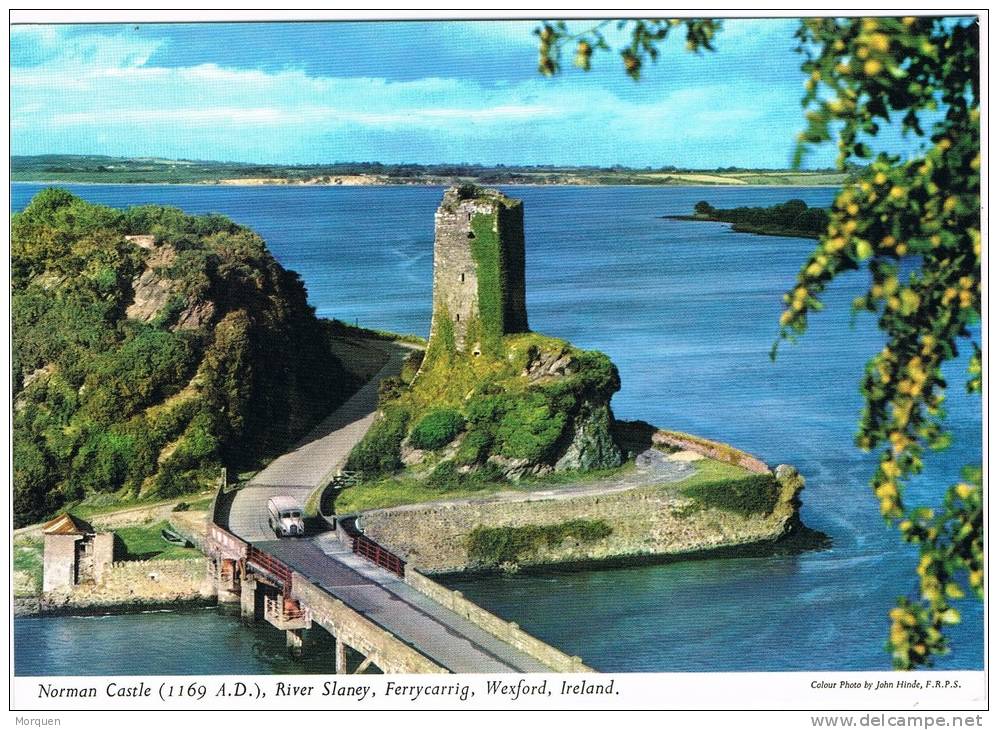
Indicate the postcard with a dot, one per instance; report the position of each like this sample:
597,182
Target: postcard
373,362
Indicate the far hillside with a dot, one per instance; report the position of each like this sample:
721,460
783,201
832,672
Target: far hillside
152,170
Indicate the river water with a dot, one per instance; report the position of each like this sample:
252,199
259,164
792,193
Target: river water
688,312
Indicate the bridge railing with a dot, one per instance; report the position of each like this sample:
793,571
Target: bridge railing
368,548
506,631
272,565
283,610
220,540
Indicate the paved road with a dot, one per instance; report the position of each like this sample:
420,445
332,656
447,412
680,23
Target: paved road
314,460
449,639
651,467
444,636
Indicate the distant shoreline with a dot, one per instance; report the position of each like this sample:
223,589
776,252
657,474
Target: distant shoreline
439,184
58,169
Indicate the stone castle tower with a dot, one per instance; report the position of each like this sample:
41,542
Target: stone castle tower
479,289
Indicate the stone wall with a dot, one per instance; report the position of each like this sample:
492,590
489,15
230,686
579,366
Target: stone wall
103,554
455,275
508,631
138,583
387,652
645,521
509,225
60,562
710,449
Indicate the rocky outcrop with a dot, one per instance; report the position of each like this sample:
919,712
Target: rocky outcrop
544,365
788,504
195,315
155,289
591,444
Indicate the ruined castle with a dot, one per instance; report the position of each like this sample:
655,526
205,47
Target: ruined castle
479,291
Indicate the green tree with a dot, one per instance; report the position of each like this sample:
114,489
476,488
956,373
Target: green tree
863,75
703,208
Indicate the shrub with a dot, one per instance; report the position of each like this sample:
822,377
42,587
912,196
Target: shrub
410,367
101,465
446,477
753,495
530,428
390,389
467,190
486,410
474,448
172,481
492,546
703,208
436,429
379,452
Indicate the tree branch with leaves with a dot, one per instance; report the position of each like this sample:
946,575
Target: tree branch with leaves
865,75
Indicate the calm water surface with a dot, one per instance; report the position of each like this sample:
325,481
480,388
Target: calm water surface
205,641
688,312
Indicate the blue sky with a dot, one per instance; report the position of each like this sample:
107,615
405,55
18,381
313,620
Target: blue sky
399,92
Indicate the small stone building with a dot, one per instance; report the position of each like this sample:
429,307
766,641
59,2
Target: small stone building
74,553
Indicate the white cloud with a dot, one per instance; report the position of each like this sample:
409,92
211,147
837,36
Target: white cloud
271,116
52,46
98,93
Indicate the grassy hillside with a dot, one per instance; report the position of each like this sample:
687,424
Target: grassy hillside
150,348
100,169
466,421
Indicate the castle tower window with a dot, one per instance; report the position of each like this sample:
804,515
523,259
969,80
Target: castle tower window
462,277
457,317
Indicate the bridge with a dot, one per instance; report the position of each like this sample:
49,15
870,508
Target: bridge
338,580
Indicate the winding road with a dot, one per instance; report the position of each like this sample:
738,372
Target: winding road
448,639
315,459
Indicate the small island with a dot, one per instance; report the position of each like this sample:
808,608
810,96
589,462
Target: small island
793,219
